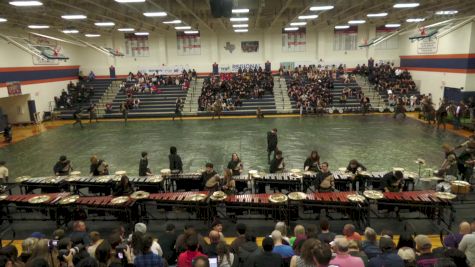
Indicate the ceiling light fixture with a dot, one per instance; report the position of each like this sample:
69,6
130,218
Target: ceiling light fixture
26,3
341,27
356,21
406,5
192,32
302,23
74,17
142,33
183,28
38,26
3,20
392,25
104,24
130,1
241,30
321,8
240,25
177,21
239,19
240,10
155,14
126,29
377,15
91,35
415,20
289,29
446,12
70,31
308,17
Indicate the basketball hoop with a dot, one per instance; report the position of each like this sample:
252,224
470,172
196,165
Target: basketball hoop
422,30
57,51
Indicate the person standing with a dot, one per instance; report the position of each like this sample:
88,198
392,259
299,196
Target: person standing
277,164
125,111
271,143
77,118
178,108
176,165
62,167
143,165
3,172
399,109
92,113
7,133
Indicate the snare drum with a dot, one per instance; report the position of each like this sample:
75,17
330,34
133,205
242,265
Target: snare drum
460,187
443,187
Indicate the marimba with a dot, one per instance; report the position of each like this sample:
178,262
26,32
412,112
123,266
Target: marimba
48,184
424,202
279,181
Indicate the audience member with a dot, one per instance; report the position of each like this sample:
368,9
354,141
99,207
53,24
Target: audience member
80,231
285,251
240,239
389,256
167,243
408,255
350,233
95,242
282,227
247,250
354,249
325,235
185,259
467,245
147,258
406,240
343,258
225,257
425,258
267,258
370,244
200,261
214,239
453,240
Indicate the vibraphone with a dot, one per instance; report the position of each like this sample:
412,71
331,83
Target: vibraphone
279,181
423,202
15,207
95,184
48,184
372,180
183,181
181,200
336,201
243,181
256,204
151,184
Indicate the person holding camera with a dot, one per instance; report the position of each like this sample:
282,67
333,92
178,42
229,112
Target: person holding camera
147,258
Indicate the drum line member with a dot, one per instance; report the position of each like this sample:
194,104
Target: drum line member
365,103
399,109
312,163
178,108
209,178
124,109
235,164
392,182
449,166
92,112
176,166
62,167
277,164
77,118
98,167
143,165
465,157
325,182
3,172
441,114
354,167
272,141
229,184
7,133
124,187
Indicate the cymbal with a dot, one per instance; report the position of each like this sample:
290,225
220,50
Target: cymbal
445,195
103,179
364,173
410,174
252,172
342,169
196,197
119,200
75,173
398,169
71,178
356,198
155,179
21,179
460,183
39,199
309,173
420,161
120,173
68,200
140,195
165,172
218,196
3,197
297,196
278,198
373,194
295,170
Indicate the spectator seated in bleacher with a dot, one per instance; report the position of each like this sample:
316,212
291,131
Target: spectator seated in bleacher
386,77
75,94
108,108
91,76
232,88
310,87
146,83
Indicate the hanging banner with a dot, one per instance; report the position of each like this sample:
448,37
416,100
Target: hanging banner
250,46
427,46
294,41
136,46
164,70
235,67
14,88
188,44
345,39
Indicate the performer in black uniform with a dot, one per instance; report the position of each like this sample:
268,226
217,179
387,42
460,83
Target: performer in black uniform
98,167
7,133
178,108
235,164
124,187
312,163
324,181
466,158
392,182
277,164
399,109
176,165
62,167
354,167
271,143
143,165
77,118
209,178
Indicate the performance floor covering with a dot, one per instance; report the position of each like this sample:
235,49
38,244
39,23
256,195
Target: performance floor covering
379,142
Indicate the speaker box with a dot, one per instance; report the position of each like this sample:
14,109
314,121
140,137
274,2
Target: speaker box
221,8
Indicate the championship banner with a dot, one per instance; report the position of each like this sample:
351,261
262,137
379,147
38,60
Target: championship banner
250,46
294,41
136,46
164,70
188,44
14,88
235,67
345,39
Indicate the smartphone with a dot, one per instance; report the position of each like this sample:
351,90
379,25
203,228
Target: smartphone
120,255
213,262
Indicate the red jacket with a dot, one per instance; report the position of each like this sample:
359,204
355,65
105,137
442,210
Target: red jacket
185,258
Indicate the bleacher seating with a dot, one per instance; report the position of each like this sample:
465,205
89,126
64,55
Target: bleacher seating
249,106
100,87
151,105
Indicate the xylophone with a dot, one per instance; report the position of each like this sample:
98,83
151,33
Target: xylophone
279,181
371,179
424,202
48,184
339,202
